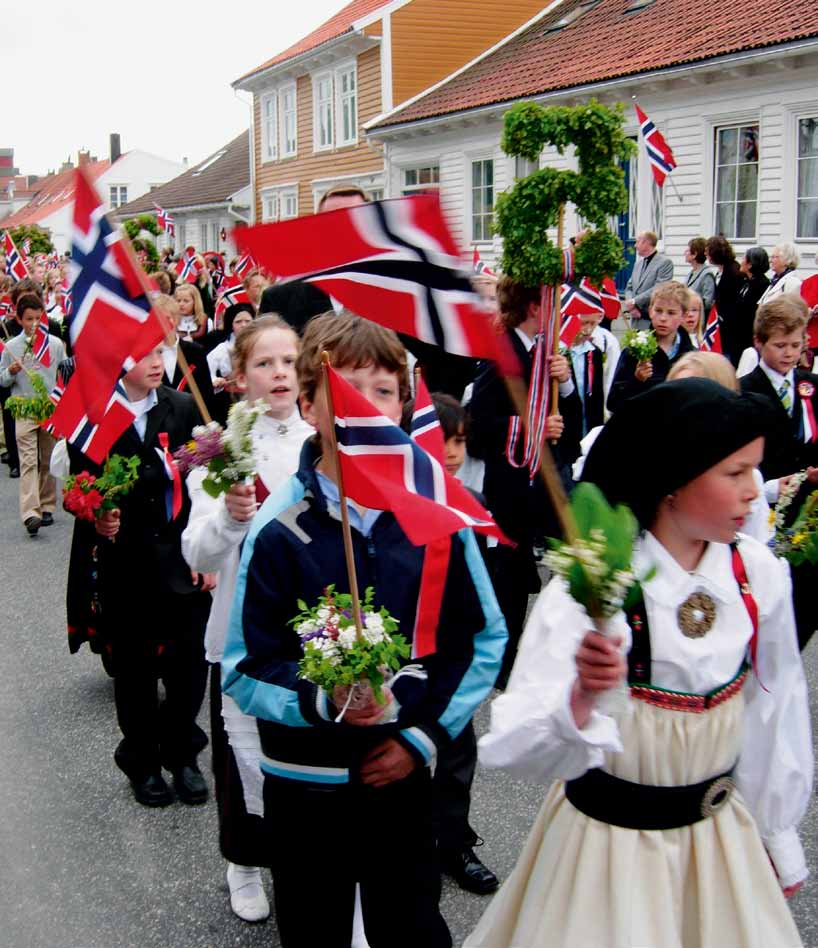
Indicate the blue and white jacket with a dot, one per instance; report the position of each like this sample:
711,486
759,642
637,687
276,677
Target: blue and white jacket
293,551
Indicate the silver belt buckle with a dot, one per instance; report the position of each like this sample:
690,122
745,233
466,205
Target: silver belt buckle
716,795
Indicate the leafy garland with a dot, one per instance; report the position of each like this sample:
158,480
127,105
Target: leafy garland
38,407
524,215
137,225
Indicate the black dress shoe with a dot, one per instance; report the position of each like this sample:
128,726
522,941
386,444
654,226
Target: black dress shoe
32,525
190,785
469,873
48,520
152,791
14,472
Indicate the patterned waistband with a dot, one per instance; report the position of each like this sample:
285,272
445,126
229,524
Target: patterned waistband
679,701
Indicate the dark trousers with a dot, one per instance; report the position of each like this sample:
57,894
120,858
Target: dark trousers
452,782
332,839
514,578
241,834
9,432
154,734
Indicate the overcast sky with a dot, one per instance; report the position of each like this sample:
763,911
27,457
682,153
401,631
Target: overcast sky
156,71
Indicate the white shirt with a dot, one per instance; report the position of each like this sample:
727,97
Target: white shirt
772,487
533,733
219,359
169,360
140,410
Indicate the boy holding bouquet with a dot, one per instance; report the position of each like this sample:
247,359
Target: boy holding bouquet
636,372
344,792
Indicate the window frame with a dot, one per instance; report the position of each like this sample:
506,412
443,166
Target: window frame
482,160
269,137
317,79
117,195
739,124
338,98
283,92
420,187
802,117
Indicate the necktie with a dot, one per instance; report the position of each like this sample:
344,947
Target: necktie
784,395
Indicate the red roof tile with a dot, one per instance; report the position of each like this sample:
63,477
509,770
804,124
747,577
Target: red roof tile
335,26
57,191
606,42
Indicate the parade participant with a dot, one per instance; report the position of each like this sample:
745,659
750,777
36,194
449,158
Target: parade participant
254,284
193,323
52,296
672,821
9,327
264,365
38,489
360,776
220,358
594,354
519,503
727,299
153,609
701,279
693,320
668,304
195,355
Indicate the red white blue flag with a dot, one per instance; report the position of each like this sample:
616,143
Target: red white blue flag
189,267
15,264
711,339
479,265
576,300
94,439
40,348
383,468
660,156
609,297
232,293
165,221
244,265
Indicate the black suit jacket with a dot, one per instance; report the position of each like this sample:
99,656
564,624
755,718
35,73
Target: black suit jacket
197,360
296,303
785,450
593,392
625,385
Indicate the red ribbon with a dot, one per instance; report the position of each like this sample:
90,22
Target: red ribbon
812,434
183,384
176,477
589,358
261,491
750,604
430,596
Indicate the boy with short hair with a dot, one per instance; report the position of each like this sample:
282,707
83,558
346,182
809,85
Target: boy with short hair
594,355
354,795
20,360
668,305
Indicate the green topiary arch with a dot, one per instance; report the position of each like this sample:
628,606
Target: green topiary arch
138,225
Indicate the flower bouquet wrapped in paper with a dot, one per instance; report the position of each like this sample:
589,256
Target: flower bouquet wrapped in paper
227,453
352,668
88,497
642,343
597,565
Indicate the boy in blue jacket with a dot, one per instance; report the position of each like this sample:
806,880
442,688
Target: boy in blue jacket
350,802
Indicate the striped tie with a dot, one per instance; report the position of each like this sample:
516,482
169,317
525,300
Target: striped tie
784,395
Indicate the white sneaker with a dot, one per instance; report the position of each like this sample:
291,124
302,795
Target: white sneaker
247,897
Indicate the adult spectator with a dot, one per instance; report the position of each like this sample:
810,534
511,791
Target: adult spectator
649,268
728,283
784,258
701,279
753,267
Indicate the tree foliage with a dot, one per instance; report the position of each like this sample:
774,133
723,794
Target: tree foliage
139,225
40,238
524,214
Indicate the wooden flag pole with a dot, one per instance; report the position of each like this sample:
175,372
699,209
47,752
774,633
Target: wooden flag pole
195,391
555,342
349,554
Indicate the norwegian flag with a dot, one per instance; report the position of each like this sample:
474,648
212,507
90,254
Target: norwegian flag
6,307
165,221
232,292
570,330
66,299
25,246
394,262
244,265
608,295
479,266
71,421
385,469
576,300
189,267
217,274
660,156
39,346
15,264
711,339
112,324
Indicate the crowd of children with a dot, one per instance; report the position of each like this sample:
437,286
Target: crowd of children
674,823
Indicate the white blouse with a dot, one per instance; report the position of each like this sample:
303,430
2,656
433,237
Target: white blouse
533,733
219,359
211,539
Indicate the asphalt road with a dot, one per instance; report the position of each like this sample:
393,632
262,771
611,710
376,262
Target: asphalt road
84,866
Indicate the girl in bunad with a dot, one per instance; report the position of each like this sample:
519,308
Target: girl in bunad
264,365
693,320
220,358
194,324
672,823
52,296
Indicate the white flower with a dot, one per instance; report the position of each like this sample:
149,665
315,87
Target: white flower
641,337
323,613
347,637
373,620
306,628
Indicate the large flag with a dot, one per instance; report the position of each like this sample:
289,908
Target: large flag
71,421
165,221
394,262
112,324
576,300
660,156
385,469
711,339
15,264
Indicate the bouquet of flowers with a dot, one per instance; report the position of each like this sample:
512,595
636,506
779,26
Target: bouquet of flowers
38,407
642,343
88,497
797,543
336,657
227,453
597,565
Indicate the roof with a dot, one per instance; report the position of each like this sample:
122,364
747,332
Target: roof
211,181
334,27
56,191
604,42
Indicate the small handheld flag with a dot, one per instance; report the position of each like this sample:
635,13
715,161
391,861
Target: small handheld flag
165,221
711,340
15,264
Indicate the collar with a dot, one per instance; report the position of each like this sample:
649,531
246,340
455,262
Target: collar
526,340
777,379
672,583
586,345
361,518
267,425
650,256
144,405
174,347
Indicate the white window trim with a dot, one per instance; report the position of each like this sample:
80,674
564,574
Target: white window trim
282,151
278,192
269,142
736,123
350,66
416,166
470,160
316,79
789,184
708,211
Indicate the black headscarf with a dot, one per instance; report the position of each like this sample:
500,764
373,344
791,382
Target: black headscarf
663,439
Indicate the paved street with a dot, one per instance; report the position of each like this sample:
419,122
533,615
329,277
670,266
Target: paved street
82,865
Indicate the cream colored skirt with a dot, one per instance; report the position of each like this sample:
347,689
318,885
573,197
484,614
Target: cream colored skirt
580,883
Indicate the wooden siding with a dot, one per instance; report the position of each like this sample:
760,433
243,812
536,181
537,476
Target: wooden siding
433,38
308,165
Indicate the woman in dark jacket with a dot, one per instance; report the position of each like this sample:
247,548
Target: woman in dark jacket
728,284
754,267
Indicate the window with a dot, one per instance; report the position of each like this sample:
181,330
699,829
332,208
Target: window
376,194
269,207
807,225
482,199
323,111
288,203
523,167
118,195
202,243
347,98
657,208
279,204
289,127
269,127
420,179
736,181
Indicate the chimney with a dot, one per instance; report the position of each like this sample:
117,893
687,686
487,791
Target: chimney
184,162
83,158
116,147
